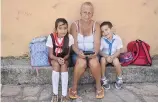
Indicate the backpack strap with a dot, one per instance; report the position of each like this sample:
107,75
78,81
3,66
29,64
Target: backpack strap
146,52
93,28
37,69
138,50
37,73
77,26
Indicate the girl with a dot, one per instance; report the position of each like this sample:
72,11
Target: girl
59,44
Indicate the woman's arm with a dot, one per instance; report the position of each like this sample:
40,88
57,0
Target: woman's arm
97,38
96,41
73,32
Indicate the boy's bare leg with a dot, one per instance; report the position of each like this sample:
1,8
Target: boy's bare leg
105,81
117,65
119,80
103,66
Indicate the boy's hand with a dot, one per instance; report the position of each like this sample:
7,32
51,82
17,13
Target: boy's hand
109,59
105,57
61,61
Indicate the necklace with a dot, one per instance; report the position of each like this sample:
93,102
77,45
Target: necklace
86,28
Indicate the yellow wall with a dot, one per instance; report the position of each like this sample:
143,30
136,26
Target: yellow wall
23,20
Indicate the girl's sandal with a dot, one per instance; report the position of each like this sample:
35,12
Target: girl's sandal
73,94
100,93
54,98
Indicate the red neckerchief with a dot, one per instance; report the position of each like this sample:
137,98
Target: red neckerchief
58,44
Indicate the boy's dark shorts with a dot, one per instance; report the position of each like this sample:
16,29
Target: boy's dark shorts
109,64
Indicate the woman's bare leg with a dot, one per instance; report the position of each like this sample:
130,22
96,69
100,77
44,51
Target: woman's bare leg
78,71
96,71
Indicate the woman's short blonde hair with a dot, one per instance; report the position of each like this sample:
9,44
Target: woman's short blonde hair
89,4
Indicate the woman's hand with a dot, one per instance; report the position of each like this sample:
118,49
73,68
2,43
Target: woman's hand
61,61
81,54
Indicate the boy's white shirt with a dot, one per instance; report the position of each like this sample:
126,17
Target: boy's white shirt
117,44
50,44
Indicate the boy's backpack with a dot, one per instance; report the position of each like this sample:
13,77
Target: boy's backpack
140,49
39,52
126,58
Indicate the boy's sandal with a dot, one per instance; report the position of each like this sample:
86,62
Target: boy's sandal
100,93
73,94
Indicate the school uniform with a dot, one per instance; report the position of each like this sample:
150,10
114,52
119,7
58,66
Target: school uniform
60,48
109,47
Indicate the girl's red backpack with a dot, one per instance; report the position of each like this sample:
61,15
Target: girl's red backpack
140,49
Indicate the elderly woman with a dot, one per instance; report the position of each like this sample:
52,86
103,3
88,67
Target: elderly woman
86,33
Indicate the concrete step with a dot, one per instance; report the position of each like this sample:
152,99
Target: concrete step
136,92
19,71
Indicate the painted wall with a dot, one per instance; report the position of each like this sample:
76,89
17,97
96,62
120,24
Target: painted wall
23,20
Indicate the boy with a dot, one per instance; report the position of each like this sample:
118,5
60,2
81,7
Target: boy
111,45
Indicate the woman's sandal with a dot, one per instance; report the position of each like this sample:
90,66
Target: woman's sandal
73,94
90,73
100,93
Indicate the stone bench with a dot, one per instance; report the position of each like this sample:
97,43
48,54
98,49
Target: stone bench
19,71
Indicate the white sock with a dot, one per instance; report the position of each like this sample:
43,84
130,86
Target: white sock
64,80
103,78
119,76
55,82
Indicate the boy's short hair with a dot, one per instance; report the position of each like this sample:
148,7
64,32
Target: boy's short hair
106,23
